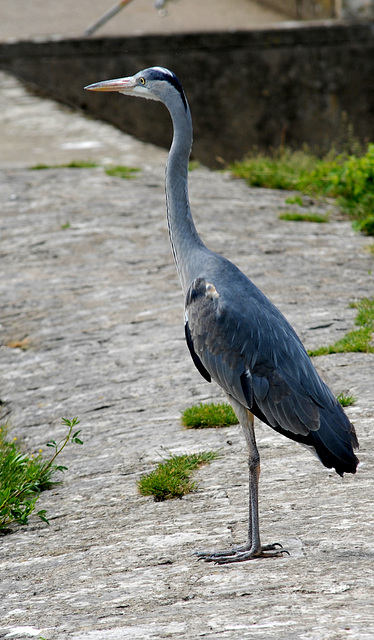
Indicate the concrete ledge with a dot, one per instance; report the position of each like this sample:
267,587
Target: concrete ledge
290,85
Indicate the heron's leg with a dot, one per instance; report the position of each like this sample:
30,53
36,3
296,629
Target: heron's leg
252,548
246,420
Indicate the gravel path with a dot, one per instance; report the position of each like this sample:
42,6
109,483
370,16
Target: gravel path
88,286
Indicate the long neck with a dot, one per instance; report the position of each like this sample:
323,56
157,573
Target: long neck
185,242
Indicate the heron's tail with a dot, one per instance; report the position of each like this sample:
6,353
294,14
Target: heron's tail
335,440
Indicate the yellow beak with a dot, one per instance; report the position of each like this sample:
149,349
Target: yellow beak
119,84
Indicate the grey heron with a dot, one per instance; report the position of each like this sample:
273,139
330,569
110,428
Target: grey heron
235,335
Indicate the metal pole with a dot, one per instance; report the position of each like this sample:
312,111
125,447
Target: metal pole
105,17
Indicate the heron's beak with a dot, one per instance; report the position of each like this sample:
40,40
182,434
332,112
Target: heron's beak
123,85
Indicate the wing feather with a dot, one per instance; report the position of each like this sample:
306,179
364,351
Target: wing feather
247,346
253,358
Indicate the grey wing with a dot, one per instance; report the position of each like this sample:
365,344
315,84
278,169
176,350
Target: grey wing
252,352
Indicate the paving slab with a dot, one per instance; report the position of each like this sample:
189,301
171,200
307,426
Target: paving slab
89,290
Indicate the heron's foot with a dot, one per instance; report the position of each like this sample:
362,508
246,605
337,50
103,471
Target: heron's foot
242,553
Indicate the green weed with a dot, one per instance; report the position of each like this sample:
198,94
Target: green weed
74,164
303,217
283,170
208,415
345,400
121,171
172,477
23,476
366,226
118,171
193,164
348,178
356,340
365,315
294,200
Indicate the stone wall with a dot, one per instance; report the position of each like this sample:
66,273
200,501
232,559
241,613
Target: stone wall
306,9
296,84
356,8
320,9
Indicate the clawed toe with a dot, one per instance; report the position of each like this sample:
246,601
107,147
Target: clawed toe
242,553
276,546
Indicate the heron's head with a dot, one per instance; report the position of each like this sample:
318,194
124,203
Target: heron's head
155,83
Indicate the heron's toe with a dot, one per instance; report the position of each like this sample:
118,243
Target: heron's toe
242,553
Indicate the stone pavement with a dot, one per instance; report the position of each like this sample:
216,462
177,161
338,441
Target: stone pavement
41,18
88,286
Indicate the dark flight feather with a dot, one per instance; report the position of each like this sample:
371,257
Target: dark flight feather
253,353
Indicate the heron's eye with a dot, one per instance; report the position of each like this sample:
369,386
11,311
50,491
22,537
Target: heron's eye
142,80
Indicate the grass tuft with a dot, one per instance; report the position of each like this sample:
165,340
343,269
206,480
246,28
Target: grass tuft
303,217
284,169
193,165
356,340
122,171
74,164
346,400
172,477
295,200
208,415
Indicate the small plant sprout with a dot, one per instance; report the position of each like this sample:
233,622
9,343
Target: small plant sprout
58,447
346,400
208,415
172,477
23,476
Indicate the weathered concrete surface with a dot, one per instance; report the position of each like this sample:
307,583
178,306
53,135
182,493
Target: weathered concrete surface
100,308
40,18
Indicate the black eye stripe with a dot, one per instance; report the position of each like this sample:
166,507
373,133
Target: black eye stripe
173,80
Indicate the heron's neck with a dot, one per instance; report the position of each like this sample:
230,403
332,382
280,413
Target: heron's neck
185,242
